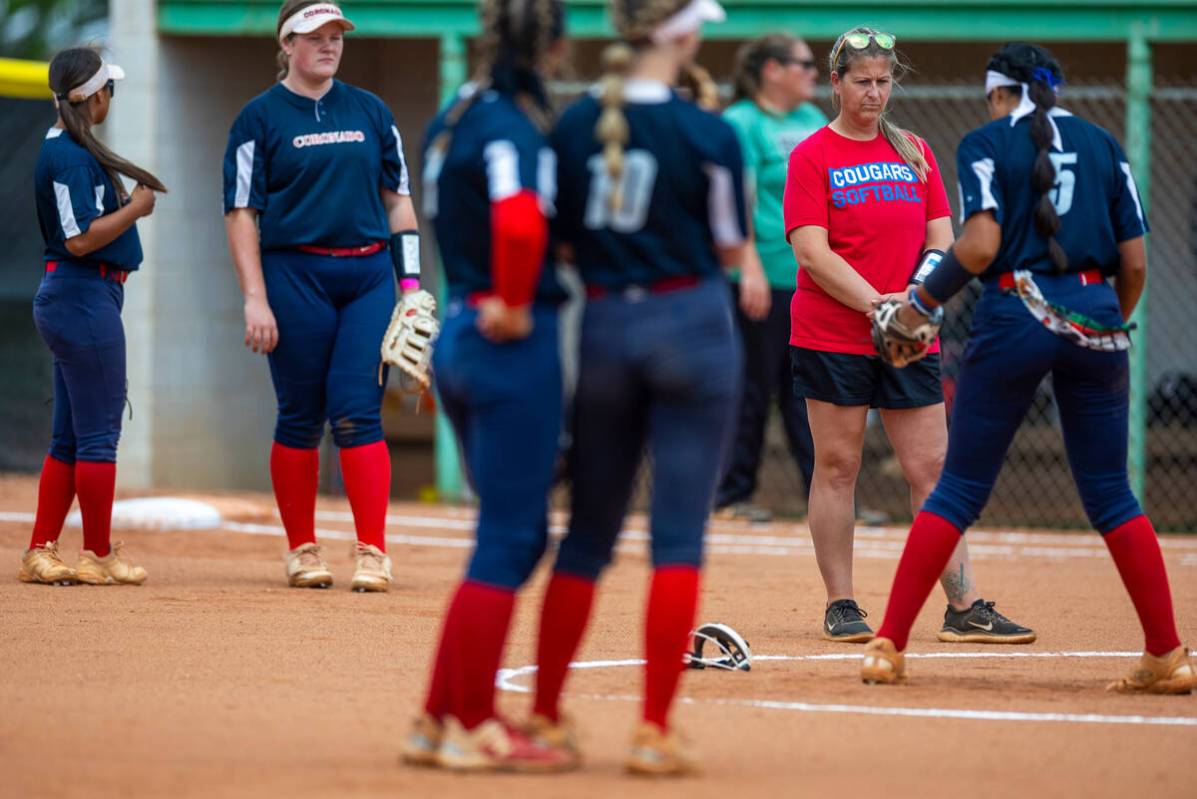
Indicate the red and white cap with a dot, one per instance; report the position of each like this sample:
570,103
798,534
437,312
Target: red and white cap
309,18
87,88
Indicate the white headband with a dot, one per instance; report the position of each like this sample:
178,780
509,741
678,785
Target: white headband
688,20
105,73
308,19
996,80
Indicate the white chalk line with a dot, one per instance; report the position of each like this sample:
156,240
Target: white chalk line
505,681
633,540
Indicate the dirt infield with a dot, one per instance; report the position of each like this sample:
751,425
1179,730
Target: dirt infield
214,679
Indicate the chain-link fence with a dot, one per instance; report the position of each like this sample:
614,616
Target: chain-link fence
1036,486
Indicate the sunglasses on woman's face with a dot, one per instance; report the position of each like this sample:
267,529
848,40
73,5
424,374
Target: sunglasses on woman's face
111,87
859,41
805,63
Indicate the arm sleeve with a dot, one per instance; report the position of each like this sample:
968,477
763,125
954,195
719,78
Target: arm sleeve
976,171
805,199
518,226
1126,210
79,199
937,196
394,165
245,164
727,211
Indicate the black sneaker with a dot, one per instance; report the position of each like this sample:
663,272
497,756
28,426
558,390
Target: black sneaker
981,624
844,622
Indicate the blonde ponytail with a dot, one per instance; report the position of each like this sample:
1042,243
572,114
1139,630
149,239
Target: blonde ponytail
612,127
702,87
907,146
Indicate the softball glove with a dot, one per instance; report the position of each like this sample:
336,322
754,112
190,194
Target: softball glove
408,340
897,344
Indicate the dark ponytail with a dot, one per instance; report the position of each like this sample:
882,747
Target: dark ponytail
1036,67
69,70
515,36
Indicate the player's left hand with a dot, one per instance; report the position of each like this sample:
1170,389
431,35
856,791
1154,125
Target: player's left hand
901,339
407,343
500,322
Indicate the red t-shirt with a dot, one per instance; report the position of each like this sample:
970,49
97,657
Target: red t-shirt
875,210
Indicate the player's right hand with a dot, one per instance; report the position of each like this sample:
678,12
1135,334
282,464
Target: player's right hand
499,322
261,331
142,199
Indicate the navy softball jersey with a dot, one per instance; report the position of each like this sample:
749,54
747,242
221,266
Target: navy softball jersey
72,191
1094,195
682,185
1010,352
314,171
504,399
311,167
496,153
660,362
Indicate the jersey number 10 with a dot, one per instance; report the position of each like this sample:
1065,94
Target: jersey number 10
635,188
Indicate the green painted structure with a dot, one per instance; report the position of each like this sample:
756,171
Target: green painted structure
1139,25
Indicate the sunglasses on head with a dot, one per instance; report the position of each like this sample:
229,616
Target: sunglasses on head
859,41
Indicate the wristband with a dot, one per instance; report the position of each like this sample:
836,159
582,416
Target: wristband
405,255
917,303
947,279
926,266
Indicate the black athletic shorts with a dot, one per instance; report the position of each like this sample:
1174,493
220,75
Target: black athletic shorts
845,379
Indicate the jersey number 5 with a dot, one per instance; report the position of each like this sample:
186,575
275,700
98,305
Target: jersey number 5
635,187
1061,193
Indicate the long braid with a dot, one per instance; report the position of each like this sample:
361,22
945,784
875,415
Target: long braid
634,20
515,36
68,70
840,62
1039,70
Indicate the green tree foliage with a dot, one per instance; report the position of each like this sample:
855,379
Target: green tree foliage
37,28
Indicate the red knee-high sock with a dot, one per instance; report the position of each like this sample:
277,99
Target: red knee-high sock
672,603
95,482
55,493
1136,552
439,701
366,471
930,543
295,473
567,603
481,618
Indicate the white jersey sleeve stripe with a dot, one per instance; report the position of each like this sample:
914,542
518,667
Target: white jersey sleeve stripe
245,173
983,169
66,212
404,186
502,170
100,200
721,207
1134,190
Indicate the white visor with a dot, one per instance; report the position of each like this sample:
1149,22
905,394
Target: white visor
306,20
689,20
105,73
996,80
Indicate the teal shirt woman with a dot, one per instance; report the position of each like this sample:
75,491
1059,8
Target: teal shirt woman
772,113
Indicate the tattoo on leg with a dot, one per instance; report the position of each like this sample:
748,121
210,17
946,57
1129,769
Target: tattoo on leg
956,586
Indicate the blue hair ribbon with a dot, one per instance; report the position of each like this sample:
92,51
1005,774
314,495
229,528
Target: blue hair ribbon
1045,75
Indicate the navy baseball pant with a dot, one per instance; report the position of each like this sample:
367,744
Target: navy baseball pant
660,370
1008,355
505,404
